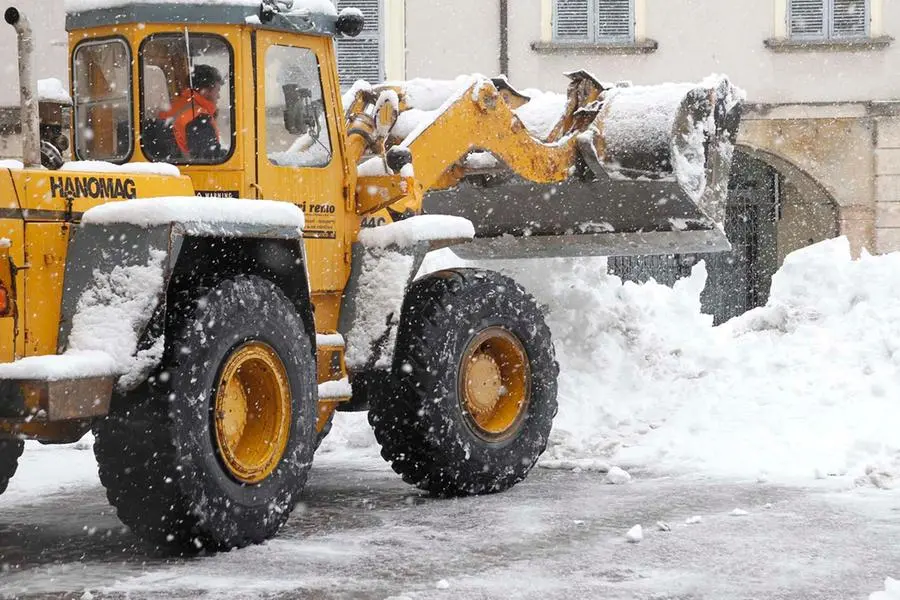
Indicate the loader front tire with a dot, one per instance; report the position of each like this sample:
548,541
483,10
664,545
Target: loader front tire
213,452
10,451
474,385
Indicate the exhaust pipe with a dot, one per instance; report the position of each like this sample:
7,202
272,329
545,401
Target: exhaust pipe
31,133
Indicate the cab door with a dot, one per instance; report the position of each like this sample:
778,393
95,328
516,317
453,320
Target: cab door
298,148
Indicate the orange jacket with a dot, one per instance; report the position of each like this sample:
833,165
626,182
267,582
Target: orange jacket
188,106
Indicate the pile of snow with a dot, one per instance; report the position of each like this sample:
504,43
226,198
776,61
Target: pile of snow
415,230
72,365
542,112
426,99
635,534
660,120
891,591
53,90
798,389
351,12
335,389
321,7
427,96
430,94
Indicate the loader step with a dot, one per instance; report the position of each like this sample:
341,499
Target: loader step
35,400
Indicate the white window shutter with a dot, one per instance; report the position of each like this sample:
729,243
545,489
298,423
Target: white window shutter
362,57
807,18
571,20
615,20
850,18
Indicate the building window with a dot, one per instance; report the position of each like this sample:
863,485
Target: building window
594,21
828,19
362,57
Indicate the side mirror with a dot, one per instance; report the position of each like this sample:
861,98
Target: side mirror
299,116
51,157
351,22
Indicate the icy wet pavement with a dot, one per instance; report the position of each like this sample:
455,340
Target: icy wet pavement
364,534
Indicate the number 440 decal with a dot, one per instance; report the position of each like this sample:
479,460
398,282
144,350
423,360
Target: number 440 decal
373,221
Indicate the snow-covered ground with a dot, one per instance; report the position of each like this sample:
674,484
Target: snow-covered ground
362,534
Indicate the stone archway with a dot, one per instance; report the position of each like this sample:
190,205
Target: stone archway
827,159
805,212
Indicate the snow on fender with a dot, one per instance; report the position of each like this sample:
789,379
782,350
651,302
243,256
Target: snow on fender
205,215
891,591
416,230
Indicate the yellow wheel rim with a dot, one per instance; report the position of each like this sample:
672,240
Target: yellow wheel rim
252,418
495,384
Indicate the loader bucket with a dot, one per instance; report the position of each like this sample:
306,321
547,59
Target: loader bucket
650,177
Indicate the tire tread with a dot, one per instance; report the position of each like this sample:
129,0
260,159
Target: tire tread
408,443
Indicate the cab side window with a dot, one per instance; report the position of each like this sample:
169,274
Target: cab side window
103,117
187,98
296,124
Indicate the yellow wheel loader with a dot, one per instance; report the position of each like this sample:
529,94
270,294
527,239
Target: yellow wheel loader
232,256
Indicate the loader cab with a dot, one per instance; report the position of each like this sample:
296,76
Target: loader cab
272,128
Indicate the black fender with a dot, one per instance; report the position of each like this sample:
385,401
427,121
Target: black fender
191,259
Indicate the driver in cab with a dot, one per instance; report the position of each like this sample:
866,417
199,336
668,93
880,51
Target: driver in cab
193,115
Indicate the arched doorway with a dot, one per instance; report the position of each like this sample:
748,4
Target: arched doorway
770,213
740,280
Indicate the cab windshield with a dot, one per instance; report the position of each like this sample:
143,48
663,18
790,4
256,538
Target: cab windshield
187,98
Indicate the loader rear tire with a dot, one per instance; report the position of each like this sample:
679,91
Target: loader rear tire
10,451
474,385
213,452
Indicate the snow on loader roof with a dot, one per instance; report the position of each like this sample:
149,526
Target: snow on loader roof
325,7
313,17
